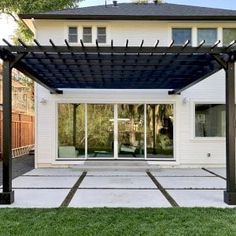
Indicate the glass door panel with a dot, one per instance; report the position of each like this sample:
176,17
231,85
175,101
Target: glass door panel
71,131
131,130
159,130
100,134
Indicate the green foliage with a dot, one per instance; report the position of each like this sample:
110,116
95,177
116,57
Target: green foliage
14,7
33,6
104,221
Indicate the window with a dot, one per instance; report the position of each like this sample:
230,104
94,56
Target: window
87,35
209,35
101,35
159,126
73,34
71,131
228,36
209,120
180,36
115,131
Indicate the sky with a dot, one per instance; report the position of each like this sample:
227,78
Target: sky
227,4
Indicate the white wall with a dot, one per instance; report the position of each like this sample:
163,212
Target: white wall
189,150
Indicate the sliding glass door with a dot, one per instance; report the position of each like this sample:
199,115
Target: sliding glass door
133,131
130,130
159,125
71,131
100,126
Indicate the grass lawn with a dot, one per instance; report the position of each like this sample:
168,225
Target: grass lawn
104,221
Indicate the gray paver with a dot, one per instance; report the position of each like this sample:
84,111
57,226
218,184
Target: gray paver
116,173
104,188
181,172
198,198
34,198
44,182
219,171
20,165
118,198
192,182
117,182
55,172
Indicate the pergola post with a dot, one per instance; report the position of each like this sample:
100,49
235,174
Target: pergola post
7,195
230,193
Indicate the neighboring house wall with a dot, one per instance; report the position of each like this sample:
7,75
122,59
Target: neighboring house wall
8,26
22,95
189,150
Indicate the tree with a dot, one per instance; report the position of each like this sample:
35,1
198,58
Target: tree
13,7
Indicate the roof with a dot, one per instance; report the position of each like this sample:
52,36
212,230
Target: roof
134,11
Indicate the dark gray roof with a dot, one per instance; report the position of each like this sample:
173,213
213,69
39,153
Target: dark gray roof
163,11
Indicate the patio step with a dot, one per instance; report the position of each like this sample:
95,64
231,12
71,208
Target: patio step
116,165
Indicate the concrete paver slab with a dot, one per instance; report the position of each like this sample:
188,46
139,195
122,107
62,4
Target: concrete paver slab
116,173
117,182
35,198
181,172
192,182
219,171
198,198
118,198
55,172
44,182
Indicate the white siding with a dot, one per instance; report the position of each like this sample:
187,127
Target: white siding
189,151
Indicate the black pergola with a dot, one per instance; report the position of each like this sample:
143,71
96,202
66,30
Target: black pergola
175,68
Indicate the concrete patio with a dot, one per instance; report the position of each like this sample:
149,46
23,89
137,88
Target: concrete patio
72,187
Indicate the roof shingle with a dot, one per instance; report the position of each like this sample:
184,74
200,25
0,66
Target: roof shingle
137,11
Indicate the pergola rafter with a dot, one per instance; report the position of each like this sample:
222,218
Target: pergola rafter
174,68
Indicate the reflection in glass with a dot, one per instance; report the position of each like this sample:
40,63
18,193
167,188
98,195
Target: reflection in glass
131,130
71,130
209,120
209,35
159,130
100,130
181,35
229,35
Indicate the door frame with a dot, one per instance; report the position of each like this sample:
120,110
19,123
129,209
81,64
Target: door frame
116,132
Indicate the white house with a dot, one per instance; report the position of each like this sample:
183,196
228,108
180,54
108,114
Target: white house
8,26
132,119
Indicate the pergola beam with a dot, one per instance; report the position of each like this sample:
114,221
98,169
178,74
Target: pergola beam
118,49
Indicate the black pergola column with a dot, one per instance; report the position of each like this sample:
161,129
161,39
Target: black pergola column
7,195
230,193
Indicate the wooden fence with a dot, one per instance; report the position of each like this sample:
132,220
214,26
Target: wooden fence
22,133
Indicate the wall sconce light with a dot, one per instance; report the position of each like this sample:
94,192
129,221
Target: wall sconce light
185,101
43,101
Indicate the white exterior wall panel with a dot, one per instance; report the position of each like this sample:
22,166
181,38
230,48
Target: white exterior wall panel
189,150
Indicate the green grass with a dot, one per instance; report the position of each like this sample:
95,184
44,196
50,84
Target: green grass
104,221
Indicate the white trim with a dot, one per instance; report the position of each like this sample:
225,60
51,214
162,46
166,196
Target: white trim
145,131
193,135
115,142
36,158
115,130
86,130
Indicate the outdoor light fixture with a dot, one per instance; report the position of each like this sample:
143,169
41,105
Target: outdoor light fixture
185,101
43,101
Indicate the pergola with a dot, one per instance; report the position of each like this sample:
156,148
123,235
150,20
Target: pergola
175,68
